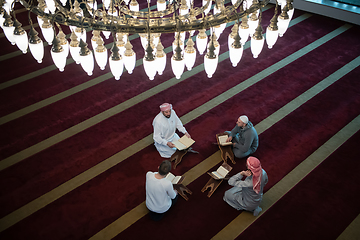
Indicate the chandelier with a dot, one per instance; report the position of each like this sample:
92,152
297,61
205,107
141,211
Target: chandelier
121,18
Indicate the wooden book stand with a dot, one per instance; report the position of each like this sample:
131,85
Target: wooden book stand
177,156
213,183
181,189
226,151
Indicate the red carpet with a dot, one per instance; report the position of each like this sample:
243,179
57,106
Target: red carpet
94,205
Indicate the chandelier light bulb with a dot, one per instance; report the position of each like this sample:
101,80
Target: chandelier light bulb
208,8
57,55
190,54
257,42
177,60
129,57
271,36
160,58
236,52
101,54
177,67
36,45
86,58
74,48
106,3
50,4
8,27
161,5
201,41
283,21
211,59
149,61
116,62
134,6
47,31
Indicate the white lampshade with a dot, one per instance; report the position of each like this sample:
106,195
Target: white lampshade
50,4
59,60
271,37
106,3
9,33
129,57
201,41
244,34
87,63
134,6
75,54
116,67
130,62
48,34
210,65
207,10
66,48
37,50
190,54
161,64
106,34
235,55
283,24
160,58
161,5
184,11
22,42
177,67
101,58
2,19
291,13
150,68
252,26
256,46
144,41
189,59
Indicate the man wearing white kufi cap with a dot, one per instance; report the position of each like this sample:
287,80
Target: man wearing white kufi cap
244,138
165,125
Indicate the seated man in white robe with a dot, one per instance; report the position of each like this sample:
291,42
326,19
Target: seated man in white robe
165,125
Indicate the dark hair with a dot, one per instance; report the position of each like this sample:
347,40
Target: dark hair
164,167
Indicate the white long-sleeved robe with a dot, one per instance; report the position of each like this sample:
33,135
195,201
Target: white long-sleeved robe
164,132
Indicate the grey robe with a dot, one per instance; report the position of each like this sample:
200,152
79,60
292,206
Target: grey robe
242,196
246,140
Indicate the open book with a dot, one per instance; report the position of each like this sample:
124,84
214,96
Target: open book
221,172
174,179
183,143
222,140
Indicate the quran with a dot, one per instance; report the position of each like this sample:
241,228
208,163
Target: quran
174,179
183,143
221,172
222,140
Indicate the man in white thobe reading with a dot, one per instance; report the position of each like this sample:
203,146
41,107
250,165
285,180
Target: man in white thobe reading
165,125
